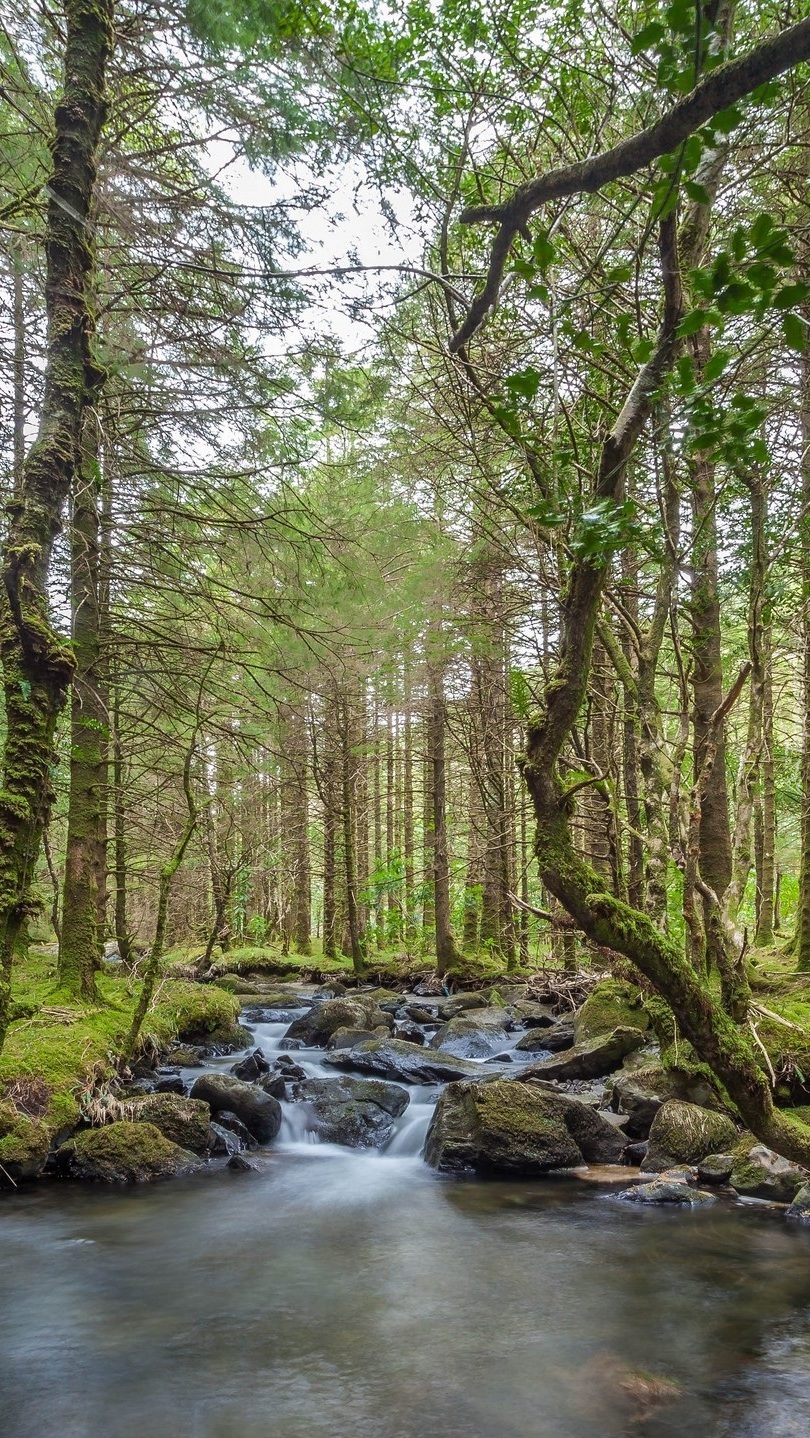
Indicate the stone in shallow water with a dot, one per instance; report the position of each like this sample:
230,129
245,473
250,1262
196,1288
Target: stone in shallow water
760,1173
123,1153
510,1127
667,1190
800,1207
184,1121
252,1068
685,1133
355,1112
393,1058
476,1035
258,1111
592,1059
716,1168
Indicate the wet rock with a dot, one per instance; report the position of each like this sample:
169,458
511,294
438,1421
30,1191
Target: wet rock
234,1126
123,1153
184,1121
459,1004
474,1035
530,1015
171,1084
289,1068
716,1168
252,1068
591,1059
758,1172
393,1058
347,1038
667,1190
314,1028
800,1207
640,1092
410,1034
685,1133
551,1040
187,1056
258,1111
498,1128
633,1154
611,1004
421,1015
333,990
275,1083
237,1164
272,1013
223,1141
358,1113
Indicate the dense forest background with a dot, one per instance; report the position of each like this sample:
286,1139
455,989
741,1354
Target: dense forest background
332,516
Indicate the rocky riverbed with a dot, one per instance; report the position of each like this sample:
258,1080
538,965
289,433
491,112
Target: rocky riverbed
510,1084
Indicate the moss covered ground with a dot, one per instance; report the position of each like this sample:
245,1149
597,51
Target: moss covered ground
58,1052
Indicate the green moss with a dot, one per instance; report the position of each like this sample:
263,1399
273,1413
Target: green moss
24,1143
123,1153
611,1004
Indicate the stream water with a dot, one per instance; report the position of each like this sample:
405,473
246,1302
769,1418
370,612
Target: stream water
335,1292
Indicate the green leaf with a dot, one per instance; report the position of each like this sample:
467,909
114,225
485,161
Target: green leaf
790,295
642,350
526,383
716,366
727,120
647,37
760,230
680,17
691,323
795,331
697,192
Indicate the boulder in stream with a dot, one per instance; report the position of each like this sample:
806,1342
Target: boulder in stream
403,1062
508,1127
184,1121
667,1190
315,1027
356,1112
758,1172
123,1153
252,1068
258,1111
553,1039
594,1058
685,1133
477,1034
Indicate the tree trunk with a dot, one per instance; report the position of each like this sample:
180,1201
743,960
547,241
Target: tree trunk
81,944
37,665
446,955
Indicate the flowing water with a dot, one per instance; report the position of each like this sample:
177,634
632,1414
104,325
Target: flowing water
335,1292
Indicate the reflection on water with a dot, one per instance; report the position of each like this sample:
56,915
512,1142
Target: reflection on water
338,1293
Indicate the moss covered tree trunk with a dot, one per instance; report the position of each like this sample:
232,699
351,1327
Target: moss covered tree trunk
37,663
605,919
446,954
802,936
81,941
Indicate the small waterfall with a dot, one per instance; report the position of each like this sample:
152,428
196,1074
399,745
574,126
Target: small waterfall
409,1137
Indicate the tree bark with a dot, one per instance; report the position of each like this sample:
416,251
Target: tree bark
37,664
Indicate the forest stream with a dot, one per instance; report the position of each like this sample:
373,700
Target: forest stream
335,1290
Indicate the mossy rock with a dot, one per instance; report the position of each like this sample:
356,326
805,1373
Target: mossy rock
684,1133
498,1128
758,1172
123,1153
24,1144
611,1004
184,1121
